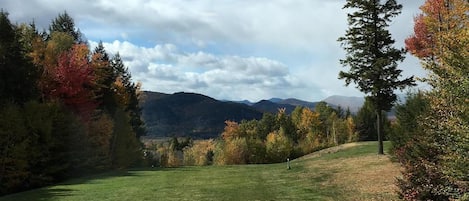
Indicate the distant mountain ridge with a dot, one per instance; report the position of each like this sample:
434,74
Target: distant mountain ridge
352,102
190,114
200,116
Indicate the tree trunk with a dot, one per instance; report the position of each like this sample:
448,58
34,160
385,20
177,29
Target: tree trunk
380,132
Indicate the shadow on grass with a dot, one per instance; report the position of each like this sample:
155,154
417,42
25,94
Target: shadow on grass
61,189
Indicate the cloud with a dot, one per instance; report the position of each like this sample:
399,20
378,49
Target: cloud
239,49
167,69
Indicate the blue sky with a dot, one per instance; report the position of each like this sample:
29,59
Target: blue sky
226,49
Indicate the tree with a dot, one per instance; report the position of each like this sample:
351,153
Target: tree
371,56
18,75
14,141
74,80
125,148
278,146
105,78
366,122
440,41
64,23
129,94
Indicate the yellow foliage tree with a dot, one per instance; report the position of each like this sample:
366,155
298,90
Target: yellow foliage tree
200,153
278,146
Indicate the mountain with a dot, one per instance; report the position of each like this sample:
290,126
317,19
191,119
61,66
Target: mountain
297,102
274,104
271,107
190,114
200,116
246,102
275,100
354,103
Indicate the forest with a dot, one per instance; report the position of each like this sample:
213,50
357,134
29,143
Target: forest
65,110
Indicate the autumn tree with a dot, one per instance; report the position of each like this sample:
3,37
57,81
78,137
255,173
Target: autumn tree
74,81
371,56
278,146
441,42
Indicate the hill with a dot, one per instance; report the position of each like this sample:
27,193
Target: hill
274,104
271,107
190,114
348,172
354,103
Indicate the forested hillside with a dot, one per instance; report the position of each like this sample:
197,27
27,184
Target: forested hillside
190,114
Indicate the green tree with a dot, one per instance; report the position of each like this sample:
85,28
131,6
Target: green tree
267,125
64,23
125,148
130,94
18,75
105,78
408,116
366,122
14,142
371,56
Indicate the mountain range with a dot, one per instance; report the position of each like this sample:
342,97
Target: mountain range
200,116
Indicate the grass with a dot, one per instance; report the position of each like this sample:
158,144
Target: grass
349,172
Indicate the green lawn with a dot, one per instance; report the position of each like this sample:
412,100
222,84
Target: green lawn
348,173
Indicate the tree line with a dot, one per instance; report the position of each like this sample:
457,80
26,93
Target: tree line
65,110
272,139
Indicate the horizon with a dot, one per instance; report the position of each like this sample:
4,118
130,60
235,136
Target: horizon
256,101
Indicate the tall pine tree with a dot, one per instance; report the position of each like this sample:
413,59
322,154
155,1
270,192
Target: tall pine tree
371,56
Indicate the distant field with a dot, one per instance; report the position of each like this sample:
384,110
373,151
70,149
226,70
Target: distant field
349,172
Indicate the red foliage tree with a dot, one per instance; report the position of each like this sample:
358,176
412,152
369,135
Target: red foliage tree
420,44
75,80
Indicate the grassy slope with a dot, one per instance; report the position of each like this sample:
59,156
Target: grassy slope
350,172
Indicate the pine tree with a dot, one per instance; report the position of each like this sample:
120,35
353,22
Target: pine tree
130,94
371,56
18,75
105,78
64,23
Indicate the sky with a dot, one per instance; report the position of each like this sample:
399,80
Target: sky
226,49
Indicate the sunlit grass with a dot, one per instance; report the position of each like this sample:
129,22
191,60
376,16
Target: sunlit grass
352,172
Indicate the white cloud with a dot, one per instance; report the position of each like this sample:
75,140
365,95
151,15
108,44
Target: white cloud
164,68
226,49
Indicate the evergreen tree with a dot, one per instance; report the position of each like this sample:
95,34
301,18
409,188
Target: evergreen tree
105,78
18,75
64,23
132,93
366,122
371,56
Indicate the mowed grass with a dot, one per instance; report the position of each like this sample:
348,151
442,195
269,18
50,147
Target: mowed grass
349,172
